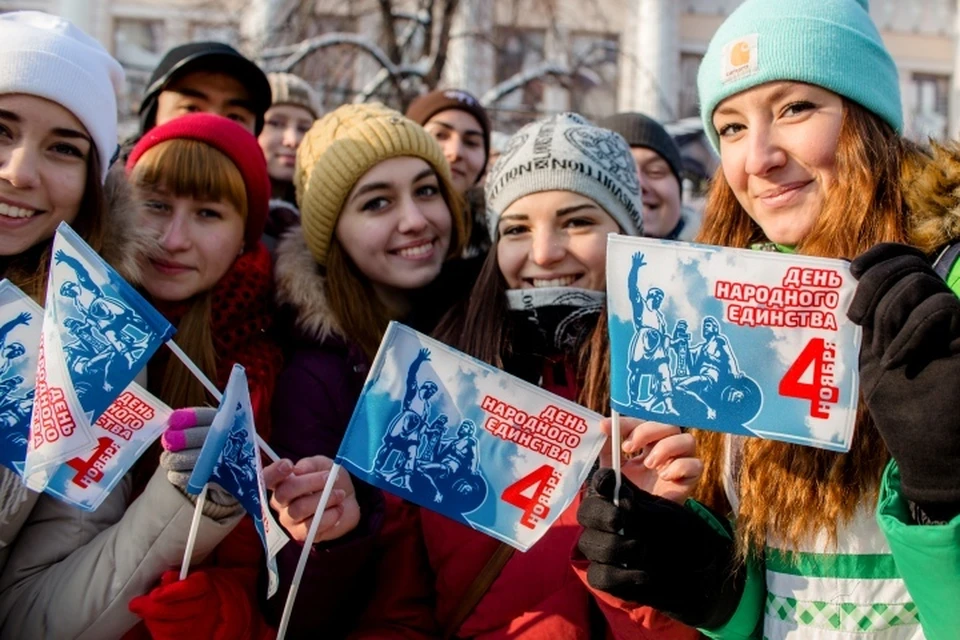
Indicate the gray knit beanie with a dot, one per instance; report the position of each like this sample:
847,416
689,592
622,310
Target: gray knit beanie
565,152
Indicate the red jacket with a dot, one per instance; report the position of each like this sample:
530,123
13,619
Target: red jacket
428,563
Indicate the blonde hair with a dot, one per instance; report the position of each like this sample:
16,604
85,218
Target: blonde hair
193,169
786,490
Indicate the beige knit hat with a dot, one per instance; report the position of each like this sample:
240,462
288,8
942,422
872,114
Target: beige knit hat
341,147
290,89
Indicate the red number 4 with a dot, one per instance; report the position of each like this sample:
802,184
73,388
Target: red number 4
514,494
818,391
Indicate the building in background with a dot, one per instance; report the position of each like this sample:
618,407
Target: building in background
591,56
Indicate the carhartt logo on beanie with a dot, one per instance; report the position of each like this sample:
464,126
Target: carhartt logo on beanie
567,153
828,43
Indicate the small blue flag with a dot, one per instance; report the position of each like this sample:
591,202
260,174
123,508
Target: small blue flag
20,326
230,458
98,333
752,343
457,436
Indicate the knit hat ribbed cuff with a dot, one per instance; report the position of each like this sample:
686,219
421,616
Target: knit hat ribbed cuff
828,43
48,57
565,152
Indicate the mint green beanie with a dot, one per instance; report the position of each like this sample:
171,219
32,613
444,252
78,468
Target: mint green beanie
829,43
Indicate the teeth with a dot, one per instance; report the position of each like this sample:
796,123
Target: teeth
15,212
416,252
565,281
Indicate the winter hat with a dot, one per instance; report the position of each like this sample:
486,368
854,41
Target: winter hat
829,43
46,56
565,152
235,142
430,104
205,56
290,89
643,131
341,147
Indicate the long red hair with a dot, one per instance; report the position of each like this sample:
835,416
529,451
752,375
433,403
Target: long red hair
788,491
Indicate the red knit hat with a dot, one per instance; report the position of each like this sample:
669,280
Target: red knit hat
233,141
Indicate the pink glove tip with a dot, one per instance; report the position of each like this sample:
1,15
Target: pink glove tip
173,440
182,419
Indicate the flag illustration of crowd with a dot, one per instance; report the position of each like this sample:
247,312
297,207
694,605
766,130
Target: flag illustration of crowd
193,322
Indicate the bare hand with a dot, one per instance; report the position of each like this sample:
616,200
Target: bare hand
665,462
296,493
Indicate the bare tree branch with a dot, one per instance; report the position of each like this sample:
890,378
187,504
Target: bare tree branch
390,31
440,59
420,21
545,69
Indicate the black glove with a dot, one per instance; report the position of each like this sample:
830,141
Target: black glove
910,371
658,553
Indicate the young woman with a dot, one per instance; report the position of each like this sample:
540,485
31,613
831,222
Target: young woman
295,107
811,162
66,573
533,311
379,218
462,128
202,188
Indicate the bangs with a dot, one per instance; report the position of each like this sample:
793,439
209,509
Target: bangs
191,169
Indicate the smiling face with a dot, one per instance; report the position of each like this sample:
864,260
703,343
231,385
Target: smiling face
554,239
661,193
198,243
778,148
44,158
283,130
395,226
461,138
207,92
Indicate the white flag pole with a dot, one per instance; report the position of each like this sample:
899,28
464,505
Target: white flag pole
617,451
192,536
205,381
305,553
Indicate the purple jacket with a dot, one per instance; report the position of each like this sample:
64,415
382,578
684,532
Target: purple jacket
312,404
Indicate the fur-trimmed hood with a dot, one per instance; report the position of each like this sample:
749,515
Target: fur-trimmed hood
124,241
301,288
931,190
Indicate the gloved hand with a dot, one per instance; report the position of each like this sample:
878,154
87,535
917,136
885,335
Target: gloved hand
658,553
910,369
209,603
186,432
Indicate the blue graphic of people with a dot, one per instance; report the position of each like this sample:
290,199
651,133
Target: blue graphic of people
108,337
415,456
236,472
15,408
403,434
667,375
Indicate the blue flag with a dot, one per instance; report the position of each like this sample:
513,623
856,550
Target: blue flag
231,459
20,326
455,435
752,343
98,333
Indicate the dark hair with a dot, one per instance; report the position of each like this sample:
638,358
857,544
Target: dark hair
29,269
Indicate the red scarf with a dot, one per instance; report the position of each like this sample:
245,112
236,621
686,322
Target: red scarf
241,318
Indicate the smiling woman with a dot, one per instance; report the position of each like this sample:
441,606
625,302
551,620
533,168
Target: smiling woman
380,216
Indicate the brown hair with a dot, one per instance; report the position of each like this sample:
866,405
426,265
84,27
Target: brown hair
481,326
350,294
191,169
29,270
788,490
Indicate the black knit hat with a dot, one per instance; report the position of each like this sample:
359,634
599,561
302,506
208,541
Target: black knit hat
207,56
643,131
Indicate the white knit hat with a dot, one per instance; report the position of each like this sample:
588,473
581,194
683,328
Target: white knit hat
565,152
46,56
